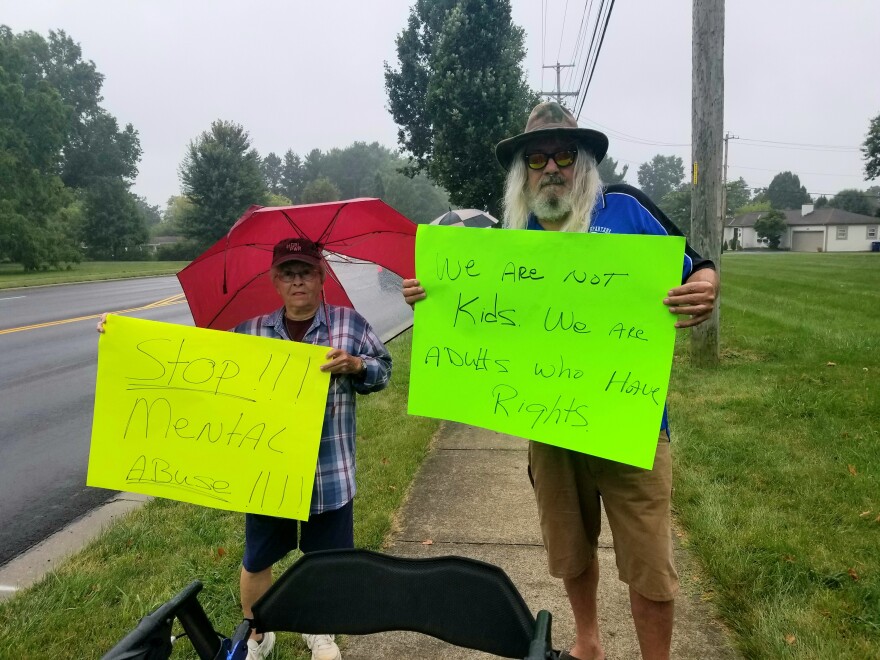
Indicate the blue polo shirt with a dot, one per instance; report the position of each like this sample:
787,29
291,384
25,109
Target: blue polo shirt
623,209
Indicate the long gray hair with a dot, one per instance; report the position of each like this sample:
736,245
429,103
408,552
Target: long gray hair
584,192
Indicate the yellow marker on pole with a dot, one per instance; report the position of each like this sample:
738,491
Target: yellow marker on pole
695,173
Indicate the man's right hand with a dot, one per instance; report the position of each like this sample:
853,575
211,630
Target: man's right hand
412,292
101,322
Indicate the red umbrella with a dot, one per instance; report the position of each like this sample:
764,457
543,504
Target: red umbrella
227,284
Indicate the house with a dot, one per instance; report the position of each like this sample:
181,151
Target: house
153,244
810,230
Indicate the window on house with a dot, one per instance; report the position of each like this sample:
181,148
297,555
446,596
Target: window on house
871,233
842,233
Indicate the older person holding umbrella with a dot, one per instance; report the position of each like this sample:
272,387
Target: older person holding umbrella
358,363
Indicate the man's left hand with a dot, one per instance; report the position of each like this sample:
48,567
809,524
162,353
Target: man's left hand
341,362
694,298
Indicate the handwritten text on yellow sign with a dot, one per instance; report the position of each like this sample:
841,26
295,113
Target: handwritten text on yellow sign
213,418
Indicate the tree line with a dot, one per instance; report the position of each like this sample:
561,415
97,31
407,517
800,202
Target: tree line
456,89
222,175
662,179
66,165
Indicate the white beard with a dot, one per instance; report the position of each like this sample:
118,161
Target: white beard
551,204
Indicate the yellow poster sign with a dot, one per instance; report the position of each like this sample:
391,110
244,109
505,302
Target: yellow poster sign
213,418
557,337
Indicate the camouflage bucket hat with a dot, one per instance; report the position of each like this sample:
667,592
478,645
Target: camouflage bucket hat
552,119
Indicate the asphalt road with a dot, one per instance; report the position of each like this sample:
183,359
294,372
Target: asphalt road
48,360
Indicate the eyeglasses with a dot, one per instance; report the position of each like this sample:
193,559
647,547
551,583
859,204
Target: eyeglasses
305,274
538,160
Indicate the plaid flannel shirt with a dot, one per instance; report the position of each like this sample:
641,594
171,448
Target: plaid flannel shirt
335,474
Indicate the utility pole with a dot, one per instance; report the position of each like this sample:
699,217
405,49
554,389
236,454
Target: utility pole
707,126
558,93
727,138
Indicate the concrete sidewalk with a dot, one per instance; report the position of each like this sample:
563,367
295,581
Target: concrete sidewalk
472,498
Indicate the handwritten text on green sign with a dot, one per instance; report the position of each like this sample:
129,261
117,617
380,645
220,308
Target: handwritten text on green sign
557,337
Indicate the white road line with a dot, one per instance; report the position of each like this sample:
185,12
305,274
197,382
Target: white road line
12,298
3,587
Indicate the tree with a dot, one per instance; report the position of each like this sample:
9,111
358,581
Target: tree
353,169
292,176
755,207
278,200
320,190
873,195
821,202
113,226
96,156
151,213
37,214
852,200
676,204
871,150
661,175
738,195
458,90
271,167
786,192
313,165
101,150
608,171
220,175
415,197
771,226
176,208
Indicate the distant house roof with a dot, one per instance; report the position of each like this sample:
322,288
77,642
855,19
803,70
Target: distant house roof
164,240
823,216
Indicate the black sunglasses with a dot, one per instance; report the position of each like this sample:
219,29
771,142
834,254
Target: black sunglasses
538,160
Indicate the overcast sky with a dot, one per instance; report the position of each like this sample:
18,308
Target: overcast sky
306,75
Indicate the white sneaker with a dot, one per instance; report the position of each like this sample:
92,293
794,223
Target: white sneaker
259,650
323,647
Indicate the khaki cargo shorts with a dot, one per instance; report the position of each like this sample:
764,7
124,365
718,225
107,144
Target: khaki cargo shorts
568,486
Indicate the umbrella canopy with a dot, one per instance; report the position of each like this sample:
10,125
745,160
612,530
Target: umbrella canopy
466,218
227,284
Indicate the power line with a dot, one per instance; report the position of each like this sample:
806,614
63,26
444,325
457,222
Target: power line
596,58
579,42
765,169
589,51
592,58
543,37
562,33
803,144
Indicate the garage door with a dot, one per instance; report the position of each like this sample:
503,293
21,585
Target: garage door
806,241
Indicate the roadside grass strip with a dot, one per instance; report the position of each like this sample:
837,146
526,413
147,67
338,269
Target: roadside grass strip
93,599
777,456
12,275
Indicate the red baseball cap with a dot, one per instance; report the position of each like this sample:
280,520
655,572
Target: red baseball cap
296,249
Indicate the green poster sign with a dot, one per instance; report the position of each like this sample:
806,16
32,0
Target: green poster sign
557,337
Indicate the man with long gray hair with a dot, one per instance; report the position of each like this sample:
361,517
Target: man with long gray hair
553,185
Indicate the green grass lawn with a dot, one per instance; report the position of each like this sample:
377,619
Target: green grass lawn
88,604
12,275
777,478
777,484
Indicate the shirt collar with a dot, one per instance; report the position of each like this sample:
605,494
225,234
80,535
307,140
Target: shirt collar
275,320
